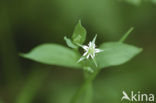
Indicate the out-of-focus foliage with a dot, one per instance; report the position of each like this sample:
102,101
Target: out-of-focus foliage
154,1
139,2
134,2
1,101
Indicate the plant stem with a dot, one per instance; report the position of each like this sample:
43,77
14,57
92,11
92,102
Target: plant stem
33,84
126,35
88,94
84,86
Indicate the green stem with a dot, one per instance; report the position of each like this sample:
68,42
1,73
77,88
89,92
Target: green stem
84,86
32,85
88,94
126,35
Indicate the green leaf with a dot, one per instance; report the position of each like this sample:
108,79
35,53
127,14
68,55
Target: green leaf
53,54
69,43
116,53
79,34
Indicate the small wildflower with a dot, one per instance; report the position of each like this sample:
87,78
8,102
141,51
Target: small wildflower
90,50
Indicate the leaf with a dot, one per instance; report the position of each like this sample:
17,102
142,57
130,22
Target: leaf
79,34
53,54
116,53
69,43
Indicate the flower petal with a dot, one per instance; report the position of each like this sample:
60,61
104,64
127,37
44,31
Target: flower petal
94,46
92,56
98,50
88,56
85,53
85,47
90,44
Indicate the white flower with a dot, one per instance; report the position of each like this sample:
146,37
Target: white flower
90,50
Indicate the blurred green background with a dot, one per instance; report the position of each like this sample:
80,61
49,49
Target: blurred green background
25,24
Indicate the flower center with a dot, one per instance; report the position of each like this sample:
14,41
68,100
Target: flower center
91,50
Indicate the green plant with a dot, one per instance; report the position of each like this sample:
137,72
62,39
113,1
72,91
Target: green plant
110,54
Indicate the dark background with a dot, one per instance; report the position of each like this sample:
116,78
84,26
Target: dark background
25,24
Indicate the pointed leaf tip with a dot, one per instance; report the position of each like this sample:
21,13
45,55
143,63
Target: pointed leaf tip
69,43
117,54
53,54
79,21
79,34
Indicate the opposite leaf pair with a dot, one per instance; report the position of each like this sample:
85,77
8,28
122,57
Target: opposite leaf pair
115,53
